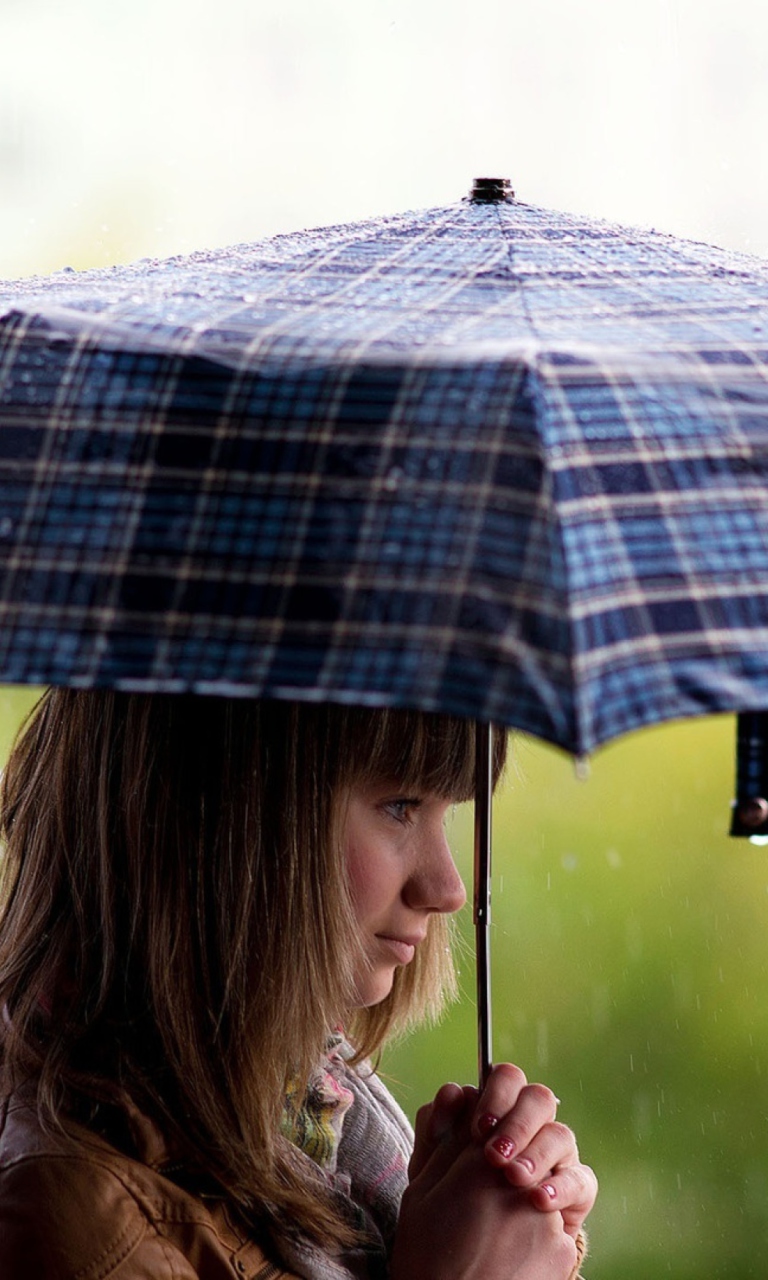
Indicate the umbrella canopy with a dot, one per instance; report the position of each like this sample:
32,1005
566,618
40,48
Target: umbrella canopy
485,459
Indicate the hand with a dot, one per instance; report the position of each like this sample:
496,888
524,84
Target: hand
516,1123
543,1158
460,1219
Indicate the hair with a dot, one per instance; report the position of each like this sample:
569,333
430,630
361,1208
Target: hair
175,921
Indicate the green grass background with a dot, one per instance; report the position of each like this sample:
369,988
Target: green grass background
630,948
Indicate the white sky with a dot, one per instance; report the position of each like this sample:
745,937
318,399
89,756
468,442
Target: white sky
132,128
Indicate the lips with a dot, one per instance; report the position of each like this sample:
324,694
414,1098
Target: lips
402,949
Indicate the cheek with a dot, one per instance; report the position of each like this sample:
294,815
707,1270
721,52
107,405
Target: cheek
361,877
372,884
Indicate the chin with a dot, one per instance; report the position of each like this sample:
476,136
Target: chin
374,989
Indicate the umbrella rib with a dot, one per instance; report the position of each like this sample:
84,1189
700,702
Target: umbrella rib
348,287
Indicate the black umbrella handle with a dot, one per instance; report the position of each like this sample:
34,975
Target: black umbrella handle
482,899
750,808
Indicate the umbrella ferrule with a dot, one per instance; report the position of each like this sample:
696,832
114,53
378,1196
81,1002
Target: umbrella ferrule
491,191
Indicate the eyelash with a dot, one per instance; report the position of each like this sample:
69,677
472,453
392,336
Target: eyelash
398,809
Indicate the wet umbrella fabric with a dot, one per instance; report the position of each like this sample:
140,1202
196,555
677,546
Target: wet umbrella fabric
485,459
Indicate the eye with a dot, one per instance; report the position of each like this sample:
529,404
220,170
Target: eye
401,808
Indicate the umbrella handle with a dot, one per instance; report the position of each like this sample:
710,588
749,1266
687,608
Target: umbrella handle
750,808
482,895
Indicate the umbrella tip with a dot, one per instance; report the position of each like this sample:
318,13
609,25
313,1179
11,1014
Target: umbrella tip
491,191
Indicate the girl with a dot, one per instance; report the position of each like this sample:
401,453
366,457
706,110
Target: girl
214,912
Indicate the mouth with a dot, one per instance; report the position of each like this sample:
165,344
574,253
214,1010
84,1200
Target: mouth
402,949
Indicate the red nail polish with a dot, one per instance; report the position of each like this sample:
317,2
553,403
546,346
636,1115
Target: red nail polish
504,1146
549,1189
486,1123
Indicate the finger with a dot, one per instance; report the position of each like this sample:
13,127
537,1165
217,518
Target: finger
554,1146
432,1121
471,1095
571,1191
442,1131
500,1093
535,1107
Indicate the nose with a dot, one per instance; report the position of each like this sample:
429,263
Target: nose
434,883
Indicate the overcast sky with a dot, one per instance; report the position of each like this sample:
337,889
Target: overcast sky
131,128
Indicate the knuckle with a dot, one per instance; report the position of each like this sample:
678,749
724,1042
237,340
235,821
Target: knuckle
581,1186
563,1134
507,1072
543,1095
585,1174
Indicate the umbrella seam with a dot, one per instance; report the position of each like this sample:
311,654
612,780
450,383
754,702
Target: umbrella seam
576,732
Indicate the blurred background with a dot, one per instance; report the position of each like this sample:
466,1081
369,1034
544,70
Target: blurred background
145,127
630,935
630,970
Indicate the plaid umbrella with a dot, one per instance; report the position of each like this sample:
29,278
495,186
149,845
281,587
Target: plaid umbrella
485,459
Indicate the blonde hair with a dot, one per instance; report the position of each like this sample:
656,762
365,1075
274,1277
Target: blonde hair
175,921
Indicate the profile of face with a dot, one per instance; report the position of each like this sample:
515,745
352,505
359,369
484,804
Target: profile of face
401,871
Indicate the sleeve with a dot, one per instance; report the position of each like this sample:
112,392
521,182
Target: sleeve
67,1219
581,1253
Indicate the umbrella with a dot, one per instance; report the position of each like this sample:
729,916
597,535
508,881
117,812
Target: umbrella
485,459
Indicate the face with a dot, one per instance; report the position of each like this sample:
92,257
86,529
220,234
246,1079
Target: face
401,871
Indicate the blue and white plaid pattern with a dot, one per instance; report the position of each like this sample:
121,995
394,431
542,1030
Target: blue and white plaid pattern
485,459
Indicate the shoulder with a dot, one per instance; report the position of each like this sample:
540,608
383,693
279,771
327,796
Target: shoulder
65,1209
75,1208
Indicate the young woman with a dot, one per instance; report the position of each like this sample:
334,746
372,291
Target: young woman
213,913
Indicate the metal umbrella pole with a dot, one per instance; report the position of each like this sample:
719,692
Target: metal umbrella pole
482,894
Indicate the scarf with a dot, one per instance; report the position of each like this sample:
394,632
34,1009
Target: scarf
315,1125
350,1126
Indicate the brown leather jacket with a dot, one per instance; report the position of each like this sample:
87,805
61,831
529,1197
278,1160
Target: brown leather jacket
91,1213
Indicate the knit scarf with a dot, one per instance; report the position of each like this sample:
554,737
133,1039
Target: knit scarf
352,1128
315,1124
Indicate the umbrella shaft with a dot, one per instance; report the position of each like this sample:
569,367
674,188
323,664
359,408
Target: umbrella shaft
482,900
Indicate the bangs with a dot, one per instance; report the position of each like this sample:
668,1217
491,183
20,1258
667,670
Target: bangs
420,751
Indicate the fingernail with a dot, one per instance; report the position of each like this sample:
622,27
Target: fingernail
504,1146
486,1123
549,1189
526,1163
